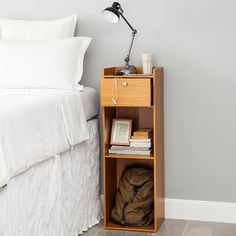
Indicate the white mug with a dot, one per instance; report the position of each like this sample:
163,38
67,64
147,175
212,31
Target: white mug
147,63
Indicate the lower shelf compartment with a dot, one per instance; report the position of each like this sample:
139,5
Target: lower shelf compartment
113,226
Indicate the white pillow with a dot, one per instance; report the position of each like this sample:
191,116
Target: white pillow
56,64
36,30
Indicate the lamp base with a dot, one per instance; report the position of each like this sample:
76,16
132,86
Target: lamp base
127,70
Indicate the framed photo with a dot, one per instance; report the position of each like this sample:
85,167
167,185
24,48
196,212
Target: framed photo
121,132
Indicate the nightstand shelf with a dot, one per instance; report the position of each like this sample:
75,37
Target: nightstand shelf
113,226
140,98
123,156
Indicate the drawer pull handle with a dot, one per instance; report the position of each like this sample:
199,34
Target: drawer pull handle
114,100
125,84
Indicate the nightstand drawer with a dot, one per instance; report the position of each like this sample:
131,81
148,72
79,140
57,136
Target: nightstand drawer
126,92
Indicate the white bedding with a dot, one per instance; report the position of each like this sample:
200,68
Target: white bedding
90,102
58,197
42,64
37,124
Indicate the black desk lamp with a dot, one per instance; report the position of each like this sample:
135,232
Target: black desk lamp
112,14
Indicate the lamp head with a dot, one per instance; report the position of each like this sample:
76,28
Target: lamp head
112,14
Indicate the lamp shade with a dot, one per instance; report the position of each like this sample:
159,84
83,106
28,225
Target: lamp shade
112,14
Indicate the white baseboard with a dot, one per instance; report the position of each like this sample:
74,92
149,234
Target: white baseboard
224,212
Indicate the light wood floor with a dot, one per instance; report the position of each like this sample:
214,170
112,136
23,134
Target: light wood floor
174,228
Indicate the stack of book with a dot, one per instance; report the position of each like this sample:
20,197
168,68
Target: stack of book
140,144
142,139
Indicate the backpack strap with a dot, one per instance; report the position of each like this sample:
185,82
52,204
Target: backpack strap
123,213
126,204
136,188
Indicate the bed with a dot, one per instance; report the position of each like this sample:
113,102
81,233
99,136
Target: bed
50,187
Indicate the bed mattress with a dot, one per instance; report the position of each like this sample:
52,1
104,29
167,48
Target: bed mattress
59,196
36,124
90,102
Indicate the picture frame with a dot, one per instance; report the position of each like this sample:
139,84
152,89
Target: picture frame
121,132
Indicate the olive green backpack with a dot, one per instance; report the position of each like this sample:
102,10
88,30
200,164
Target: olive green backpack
134,197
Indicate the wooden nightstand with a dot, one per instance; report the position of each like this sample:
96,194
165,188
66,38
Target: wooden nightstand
140,98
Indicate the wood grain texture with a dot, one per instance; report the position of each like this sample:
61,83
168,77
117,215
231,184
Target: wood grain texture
158,118
136,93
141,101
149,228
109,167
110,188
142,157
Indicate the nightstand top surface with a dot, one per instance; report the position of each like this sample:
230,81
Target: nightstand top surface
108,73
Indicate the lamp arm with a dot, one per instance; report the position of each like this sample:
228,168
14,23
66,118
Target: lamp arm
134,32
127,58
127,22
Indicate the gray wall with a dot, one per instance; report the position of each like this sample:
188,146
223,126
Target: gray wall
195,41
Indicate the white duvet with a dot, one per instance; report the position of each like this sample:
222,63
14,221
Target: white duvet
36,125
